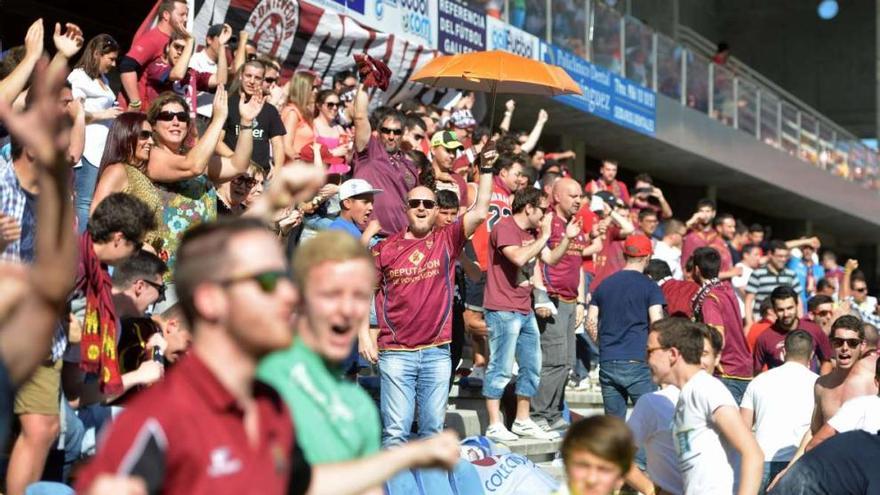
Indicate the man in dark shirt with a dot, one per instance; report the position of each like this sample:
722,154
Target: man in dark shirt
623,307
267,128
769,345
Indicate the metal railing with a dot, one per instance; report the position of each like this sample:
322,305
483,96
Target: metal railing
733,93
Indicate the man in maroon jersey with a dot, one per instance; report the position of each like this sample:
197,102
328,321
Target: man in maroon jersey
414,307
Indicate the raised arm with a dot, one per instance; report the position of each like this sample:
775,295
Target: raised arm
165,166
478,213
362,129
222,169
520,255
240,51
178,72
67,44
535,135
17,80
220,77
626,226
504,126
26,336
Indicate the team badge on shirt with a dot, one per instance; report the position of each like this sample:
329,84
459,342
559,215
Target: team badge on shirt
416,257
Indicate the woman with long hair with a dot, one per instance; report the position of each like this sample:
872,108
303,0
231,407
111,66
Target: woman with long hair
186,170
124,164
329,133
298,113
89,82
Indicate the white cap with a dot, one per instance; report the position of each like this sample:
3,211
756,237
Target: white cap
355,187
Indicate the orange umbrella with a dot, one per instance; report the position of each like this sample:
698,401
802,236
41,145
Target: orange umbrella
496,71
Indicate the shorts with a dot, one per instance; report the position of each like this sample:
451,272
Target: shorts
473,293
42,392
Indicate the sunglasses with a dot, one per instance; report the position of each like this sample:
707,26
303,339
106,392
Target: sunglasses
429,204
271,80
861,289
396,132
267,281
245,180
851,343
169,116
160,288
331,104
144,135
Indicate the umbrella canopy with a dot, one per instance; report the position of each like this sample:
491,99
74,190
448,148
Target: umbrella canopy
496,71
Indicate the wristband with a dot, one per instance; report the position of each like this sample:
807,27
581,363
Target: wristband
487,170
241,126
134,104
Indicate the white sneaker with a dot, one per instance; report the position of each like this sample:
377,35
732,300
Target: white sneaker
499,433
529,429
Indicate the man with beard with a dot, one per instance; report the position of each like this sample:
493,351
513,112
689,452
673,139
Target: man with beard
715,304
379,160
769,345
416,265
564,281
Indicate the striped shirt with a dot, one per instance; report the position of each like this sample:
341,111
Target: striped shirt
764,280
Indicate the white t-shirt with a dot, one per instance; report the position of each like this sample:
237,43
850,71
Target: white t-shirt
672,257
704,458
651,424
782,399
96,97
740,283
200,62
860,413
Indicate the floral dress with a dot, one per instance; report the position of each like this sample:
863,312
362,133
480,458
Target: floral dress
186,204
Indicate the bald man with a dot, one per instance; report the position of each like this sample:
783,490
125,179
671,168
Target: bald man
561,274
416,279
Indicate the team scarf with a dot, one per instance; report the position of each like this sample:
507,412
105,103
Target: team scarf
700,297
98,346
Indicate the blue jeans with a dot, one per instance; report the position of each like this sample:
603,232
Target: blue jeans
409,379
771,469
736,387
85,178
512,335
622,380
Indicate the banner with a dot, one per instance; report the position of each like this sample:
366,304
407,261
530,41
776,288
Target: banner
306,36
414,20
606,94
500,36
460,28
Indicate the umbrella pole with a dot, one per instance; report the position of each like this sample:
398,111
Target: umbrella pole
492,109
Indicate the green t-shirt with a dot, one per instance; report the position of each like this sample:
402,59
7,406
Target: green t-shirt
335,420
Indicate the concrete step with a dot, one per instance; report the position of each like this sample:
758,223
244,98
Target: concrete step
536,450
583,398
467,422
553,469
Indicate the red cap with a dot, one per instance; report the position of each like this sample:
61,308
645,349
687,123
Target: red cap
637,245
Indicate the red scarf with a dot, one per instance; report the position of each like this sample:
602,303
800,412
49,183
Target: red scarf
98,346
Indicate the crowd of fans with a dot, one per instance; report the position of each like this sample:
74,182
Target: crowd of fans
155,336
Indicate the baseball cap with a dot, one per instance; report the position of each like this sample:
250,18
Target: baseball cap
608,198
355,187
637,245
447,139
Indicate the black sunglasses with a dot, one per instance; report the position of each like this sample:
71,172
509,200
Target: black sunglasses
169,116
331,104
396,132
145,135
245,180
427,203
270,80
861,289
268,281
851,343
160,288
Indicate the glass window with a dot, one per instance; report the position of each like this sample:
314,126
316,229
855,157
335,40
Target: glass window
769,119
639,46
722,97
747,107
668,68
697,82
809,139
605,38
789,136
535,21
570,25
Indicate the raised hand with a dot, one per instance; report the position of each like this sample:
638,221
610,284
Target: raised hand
33,40
543,116
510,105
546,224
250,109
220,106
10,231
225,34
70,41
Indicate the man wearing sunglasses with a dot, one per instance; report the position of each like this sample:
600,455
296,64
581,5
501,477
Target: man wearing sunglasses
821,310
841,384
379,160
414,303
